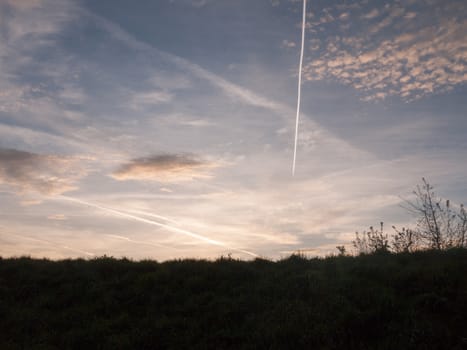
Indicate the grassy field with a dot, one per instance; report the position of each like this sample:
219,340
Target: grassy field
381,301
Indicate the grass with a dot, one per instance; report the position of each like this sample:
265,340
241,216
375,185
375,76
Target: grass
381,301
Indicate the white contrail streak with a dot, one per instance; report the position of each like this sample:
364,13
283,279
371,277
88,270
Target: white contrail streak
51,243
299,97
123,238
158,224
144,213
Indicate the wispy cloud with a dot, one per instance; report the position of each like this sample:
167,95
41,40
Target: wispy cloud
153,244
57,217
56,246
193,3
21,4
372,14
311,134
150,98
44,174
191,234
288,44
187,120
233,90
165,168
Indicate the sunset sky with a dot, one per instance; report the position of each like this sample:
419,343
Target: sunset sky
165,129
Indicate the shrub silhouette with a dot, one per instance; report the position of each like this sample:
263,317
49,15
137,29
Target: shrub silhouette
440,225
372,241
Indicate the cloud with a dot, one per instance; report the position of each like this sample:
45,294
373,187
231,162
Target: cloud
165,168
288,44
44,174
199,3
232,90
194,3
309,128
186,121
21,4
152,98
372,14
31,23
344,16
388,53
161,79
57,217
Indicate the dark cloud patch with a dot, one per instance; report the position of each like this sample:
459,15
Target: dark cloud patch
45,174
165,168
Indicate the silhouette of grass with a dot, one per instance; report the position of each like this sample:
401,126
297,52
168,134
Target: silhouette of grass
379,301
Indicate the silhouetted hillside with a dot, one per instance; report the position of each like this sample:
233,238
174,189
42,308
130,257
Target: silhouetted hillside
382,301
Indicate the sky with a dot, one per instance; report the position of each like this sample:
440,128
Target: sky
165,129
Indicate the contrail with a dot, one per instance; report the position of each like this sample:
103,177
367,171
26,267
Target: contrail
144,213
51,243
299,87
140,242
158,224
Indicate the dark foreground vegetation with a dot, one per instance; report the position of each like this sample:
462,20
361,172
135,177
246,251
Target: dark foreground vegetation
380,301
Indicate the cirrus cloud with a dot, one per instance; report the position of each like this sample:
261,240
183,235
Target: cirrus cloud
21,4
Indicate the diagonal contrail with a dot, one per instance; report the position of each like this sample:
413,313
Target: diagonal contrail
145,213
299,87
139,242
51,243
158,224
